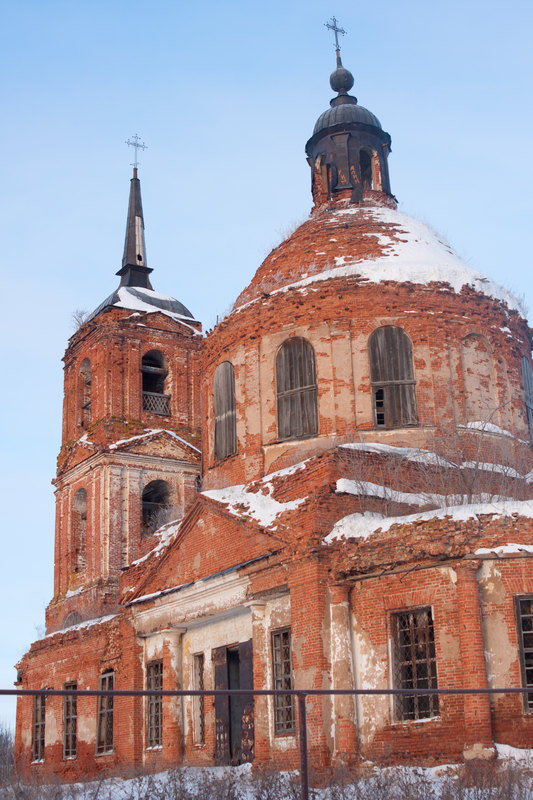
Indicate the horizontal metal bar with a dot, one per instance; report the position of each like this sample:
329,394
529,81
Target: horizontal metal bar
254,692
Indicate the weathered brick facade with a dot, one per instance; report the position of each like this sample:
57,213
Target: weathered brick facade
368,375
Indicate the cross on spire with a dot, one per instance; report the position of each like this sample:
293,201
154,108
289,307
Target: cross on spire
332,26
138,145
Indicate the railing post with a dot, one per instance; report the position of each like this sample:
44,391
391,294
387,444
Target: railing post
304,766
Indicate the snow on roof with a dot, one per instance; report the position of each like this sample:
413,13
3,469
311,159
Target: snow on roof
409,453
262,507
361,526
413,253
88,623
504,549
366,489
165,534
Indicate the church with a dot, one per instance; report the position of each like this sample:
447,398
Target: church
330,490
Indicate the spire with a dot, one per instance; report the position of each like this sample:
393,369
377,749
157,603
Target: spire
134,270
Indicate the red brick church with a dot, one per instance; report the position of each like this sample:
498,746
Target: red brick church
332,489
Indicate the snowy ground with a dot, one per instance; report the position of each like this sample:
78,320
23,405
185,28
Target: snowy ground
509,778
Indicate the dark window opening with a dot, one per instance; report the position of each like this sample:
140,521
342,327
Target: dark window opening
154,374
365,163
284,721
79,532
527,379
155,506
224,411
104,731
415,664
296,390
524,619
39,710
84,384
70,721
392,378
154,721
73,618
198,702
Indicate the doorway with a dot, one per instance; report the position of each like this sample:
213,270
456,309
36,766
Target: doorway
234,715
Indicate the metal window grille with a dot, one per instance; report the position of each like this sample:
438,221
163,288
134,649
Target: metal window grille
104,733
296,390
38,727
198,702
415,665
157,403
524,614
154,720
284,721
70,722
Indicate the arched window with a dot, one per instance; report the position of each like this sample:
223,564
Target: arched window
478,377
297,391
84,388
154,374
155,506
392,378
79,531
73,618
224,409
365,164
527,378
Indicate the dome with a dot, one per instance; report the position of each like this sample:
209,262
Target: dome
138,298
344,114
371,243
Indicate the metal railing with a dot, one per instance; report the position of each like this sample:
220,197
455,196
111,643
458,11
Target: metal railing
157,403
300,695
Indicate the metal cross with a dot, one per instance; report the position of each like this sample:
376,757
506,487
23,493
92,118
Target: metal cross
138,145
334,27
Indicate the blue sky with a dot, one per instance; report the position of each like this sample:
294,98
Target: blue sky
225,94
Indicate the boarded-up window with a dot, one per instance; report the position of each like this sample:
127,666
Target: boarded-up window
84,390
79,531
527,379
297,390
392,377
478,377
225,412
415,665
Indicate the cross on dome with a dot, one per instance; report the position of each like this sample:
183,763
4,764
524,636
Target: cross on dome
332,26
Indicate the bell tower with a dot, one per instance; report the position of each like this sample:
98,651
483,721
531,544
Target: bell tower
348,150
130,454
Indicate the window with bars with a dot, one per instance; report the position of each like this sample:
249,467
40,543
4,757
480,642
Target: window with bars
198,701
70,721
284,721
527,379
39,707
392,377
154,716
524,619
296,390
225,411
104,732
415,664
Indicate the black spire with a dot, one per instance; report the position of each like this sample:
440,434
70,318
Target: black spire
134,270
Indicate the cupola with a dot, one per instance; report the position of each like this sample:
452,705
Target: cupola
348,150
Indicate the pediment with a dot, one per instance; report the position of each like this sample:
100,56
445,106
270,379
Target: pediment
206,542
162,443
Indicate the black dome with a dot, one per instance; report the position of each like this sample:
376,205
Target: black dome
343,114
